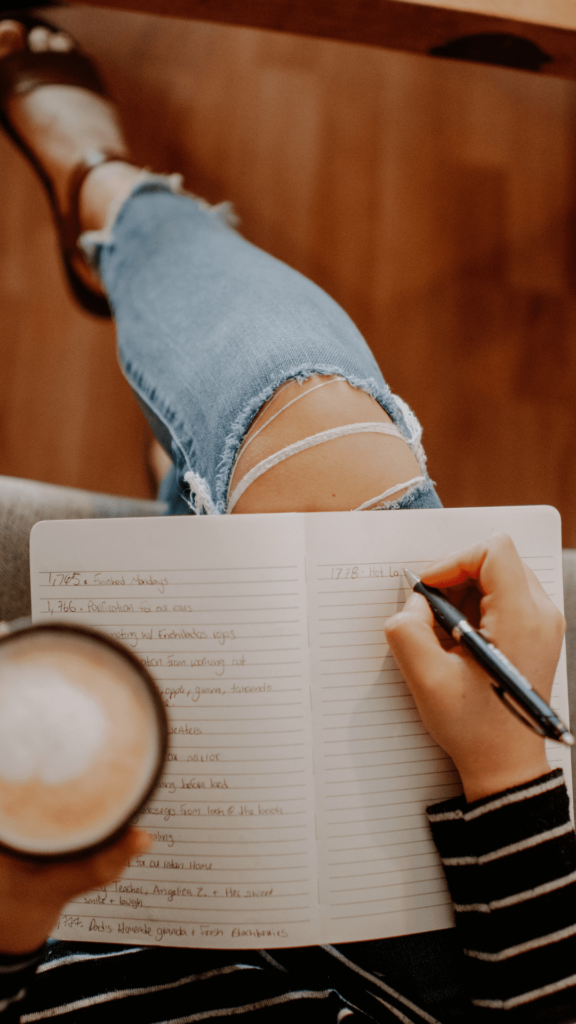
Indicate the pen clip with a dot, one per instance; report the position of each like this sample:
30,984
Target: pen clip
518,712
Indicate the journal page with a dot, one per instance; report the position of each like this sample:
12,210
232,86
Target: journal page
377,768
216,609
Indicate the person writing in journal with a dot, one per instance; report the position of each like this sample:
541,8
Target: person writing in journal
267,399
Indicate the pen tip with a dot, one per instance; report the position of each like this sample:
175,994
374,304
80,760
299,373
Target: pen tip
567,738
411,577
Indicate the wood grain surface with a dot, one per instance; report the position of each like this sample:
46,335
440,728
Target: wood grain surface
434,200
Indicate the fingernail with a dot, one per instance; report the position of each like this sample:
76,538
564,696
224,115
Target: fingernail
411,602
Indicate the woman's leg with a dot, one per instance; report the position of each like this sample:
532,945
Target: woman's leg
211,329
213,332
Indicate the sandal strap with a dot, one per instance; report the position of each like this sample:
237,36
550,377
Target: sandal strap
24,71
70,229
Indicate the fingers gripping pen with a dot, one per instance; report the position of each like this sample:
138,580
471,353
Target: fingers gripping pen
511,686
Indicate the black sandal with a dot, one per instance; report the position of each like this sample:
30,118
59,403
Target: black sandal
21,73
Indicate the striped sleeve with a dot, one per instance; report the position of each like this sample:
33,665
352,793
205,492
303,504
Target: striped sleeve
16,974
510,862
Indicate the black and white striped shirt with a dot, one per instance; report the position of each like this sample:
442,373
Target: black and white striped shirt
510,861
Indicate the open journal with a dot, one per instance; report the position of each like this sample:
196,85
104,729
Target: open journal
292,807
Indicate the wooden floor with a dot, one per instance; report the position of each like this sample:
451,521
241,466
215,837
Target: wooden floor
434,200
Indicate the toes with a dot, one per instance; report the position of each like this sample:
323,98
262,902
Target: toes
59,42
39,39
12,37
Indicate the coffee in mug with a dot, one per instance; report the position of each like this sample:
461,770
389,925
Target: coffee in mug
83,739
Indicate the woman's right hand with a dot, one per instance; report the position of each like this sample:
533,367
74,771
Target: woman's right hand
491,749
33,894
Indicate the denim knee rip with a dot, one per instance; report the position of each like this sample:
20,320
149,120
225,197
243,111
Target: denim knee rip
419,494
313,440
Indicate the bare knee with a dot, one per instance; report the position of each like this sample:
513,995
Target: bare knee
338,475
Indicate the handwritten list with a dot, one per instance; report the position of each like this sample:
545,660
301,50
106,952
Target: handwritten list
291,808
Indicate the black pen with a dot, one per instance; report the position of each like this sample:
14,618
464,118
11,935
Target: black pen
511,685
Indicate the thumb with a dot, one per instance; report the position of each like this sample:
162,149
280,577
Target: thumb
112,861
109,864
414,644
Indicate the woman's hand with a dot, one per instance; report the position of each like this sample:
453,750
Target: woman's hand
32,894
491,749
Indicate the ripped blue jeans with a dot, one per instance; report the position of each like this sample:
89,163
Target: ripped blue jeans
209,326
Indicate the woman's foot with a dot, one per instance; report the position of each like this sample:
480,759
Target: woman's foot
63,125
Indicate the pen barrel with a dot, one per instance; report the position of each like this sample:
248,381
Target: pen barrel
513,682
446,614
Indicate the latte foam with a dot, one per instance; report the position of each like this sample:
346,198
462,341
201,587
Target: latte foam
49,728
79,741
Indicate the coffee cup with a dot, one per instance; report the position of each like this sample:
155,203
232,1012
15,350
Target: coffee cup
83,739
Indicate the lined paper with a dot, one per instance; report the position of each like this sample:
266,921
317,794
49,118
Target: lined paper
233,861
292,805
379,763
379,768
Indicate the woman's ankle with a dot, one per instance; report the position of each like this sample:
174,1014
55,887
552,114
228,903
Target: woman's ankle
103,192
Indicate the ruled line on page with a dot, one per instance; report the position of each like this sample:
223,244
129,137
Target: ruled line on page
206,921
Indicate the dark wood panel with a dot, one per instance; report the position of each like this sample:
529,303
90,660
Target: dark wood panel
534,37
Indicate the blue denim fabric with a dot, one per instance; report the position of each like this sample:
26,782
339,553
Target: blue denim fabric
209,326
